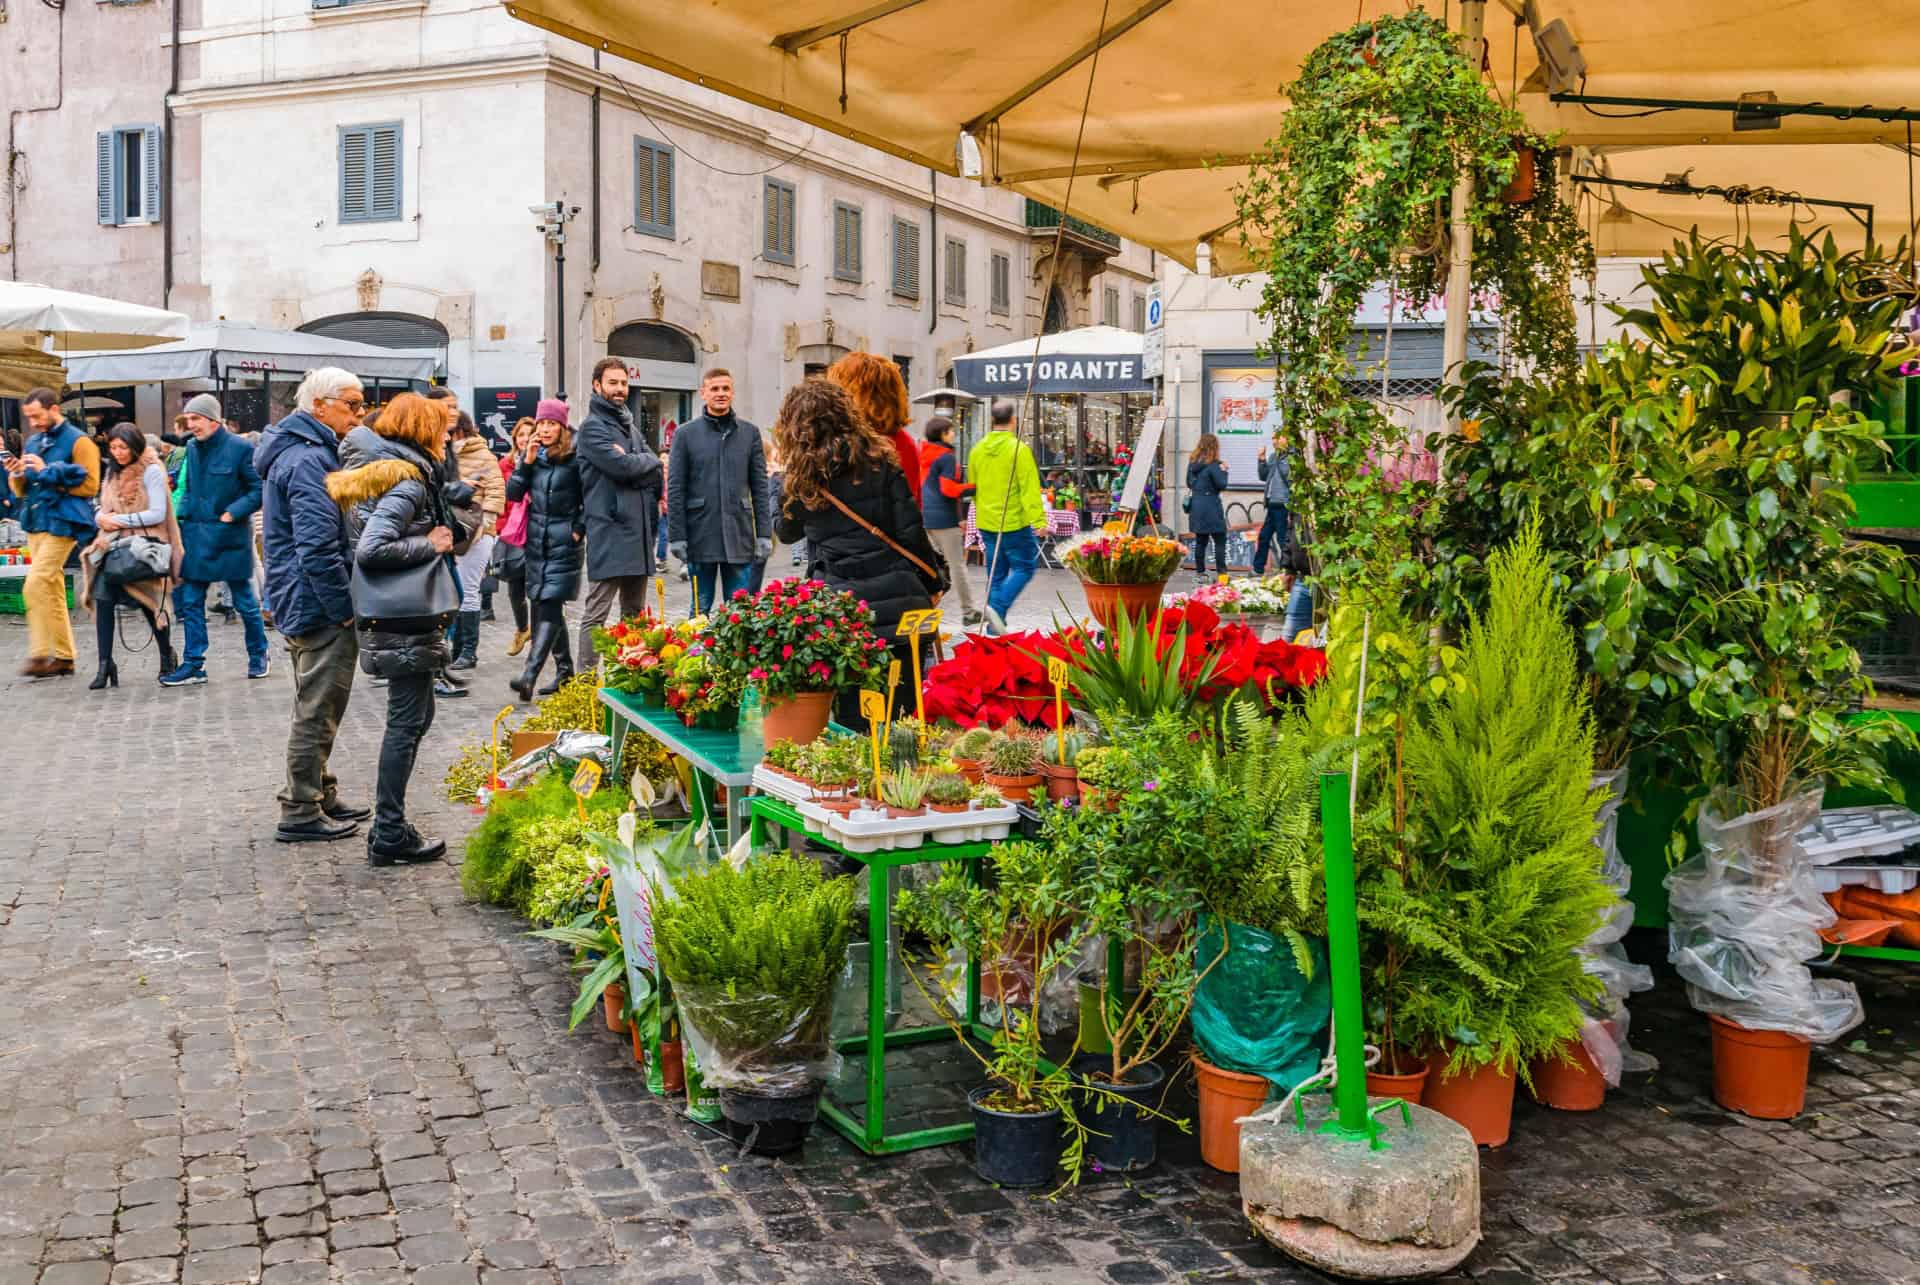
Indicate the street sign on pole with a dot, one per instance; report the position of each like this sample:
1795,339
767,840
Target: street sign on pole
1153,352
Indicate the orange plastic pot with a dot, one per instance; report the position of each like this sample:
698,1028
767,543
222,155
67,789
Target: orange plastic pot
1759,1073
1107,601
968,769
614,1001
1225,1096
1480,1099
1568,1086
673,1067
1411,1086
1520,188
639,1047
799,718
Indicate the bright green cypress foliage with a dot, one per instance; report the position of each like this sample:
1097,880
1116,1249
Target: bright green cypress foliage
1503,880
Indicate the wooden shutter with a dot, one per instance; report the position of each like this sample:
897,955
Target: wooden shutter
846,242
955,286
353,174
106,178
652,188
778,237
906,259
383,173
999,282
150,173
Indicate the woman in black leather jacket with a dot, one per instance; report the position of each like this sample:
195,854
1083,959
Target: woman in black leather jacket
547,476
398,516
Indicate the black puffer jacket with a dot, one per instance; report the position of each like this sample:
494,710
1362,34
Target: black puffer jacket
390,498
556,524
849,557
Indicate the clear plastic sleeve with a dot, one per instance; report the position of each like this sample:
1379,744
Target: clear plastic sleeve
1745,915
769,1044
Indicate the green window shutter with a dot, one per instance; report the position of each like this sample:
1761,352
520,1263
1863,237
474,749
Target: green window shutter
906,259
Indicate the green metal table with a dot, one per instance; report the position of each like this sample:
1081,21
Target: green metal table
870,1134
716,757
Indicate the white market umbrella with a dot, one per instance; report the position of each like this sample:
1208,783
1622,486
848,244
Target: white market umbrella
944,394
31,315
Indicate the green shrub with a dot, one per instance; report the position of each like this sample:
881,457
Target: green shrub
519,834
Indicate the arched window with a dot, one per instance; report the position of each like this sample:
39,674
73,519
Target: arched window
1057,313
381,329
651,341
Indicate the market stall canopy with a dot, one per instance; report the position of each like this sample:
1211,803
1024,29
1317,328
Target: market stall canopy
1186,92
31,315
24,368
215,348
1092,359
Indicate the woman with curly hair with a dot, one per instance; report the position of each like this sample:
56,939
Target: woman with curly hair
847,497
874,385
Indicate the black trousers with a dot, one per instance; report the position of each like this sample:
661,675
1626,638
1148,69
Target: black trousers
409,715
1200,539
106,597
517,595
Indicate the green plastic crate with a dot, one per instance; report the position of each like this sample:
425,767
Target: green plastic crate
11,602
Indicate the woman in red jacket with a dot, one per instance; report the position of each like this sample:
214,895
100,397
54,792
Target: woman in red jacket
874,386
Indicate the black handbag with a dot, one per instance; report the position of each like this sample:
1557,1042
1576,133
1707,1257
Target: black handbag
134,559
427,589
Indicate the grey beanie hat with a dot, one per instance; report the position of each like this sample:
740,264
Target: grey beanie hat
203,404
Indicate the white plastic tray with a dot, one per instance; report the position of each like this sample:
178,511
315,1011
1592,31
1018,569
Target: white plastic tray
1841,834
874,831
1891,880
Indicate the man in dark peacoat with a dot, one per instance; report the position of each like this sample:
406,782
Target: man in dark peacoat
719,512
218,492
620,474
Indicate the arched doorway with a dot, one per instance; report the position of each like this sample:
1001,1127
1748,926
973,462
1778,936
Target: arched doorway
663,368
1058,316
382,330
815,358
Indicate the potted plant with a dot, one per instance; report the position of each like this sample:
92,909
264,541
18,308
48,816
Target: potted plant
784,758
904,792
1121,574
1059,759
832,766
753,955
948,792
988,797
967,750
1106,772
799,642
1024,1113
1012,766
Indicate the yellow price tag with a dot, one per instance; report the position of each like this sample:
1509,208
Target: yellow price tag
913,626
1057,675
893,682
873,708
660,590
586,780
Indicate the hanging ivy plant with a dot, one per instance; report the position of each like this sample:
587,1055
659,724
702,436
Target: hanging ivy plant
1530,256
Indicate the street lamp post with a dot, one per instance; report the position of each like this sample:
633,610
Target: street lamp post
553,218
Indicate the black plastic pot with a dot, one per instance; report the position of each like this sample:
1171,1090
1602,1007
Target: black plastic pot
1014,1148
1120,1137
768,1124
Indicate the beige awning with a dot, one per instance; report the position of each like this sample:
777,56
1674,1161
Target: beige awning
1186,90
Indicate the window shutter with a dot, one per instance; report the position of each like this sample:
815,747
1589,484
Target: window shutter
999,286
383,173
353,174
1110,307
663,186
956,283
106,178
846,242
1139,312
787,223
906,259
150,173
777,242
652,188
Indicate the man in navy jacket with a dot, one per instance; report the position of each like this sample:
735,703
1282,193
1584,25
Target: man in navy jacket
308,566
218,493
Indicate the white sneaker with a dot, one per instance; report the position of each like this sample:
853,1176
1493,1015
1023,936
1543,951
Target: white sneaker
996,624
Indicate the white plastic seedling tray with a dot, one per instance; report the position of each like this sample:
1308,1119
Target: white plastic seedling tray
1891,880
874,831
1841,834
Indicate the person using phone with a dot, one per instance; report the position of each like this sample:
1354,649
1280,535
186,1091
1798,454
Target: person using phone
54,481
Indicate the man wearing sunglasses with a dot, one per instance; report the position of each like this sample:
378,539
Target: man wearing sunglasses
307,577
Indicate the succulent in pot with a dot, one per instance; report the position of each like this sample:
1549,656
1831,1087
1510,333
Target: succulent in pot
948,792
904,791
1059,764
1012,766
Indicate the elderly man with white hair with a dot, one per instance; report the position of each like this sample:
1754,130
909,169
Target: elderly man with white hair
308,564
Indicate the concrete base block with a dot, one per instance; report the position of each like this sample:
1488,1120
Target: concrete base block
1411,1209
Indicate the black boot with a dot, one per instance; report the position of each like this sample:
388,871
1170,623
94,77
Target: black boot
466,641
486,606
109,675
562,662
168,660
544,633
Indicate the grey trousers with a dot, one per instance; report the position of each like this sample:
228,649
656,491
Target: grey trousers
323,665
950,543
631,591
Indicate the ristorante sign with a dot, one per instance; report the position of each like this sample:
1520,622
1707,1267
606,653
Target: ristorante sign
1080,373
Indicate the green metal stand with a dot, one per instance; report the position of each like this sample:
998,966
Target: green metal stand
870,1134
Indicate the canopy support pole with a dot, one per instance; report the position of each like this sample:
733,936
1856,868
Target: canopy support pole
1473,44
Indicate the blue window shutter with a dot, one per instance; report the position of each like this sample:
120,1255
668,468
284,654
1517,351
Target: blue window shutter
150,172
353,173
383,172
663,186
106,178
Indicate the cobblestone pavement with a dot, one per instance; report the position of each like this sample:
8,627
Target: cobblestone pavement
223,1060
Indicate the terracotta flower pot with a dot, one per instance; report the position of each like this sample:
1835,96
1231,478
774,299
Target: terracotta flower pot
1014,789
1480,1098
948,809
1063,783
1410,1085
895,814
1759,1073
673,1067
844,805
1107,601
614,1001
1564,1086
1519,190
1225,1096
639,1047
969,770
1092,796
799,718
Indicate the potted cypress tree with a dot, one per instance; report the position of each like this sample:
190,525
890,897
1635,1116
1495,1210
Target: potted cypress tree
754,954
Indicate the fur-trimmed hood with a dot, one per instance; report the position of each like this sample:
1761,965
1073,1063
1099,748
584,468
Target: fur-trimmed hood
371,466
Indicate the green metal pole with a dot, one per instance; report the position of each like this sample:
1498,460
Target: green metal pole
879,938
1343,950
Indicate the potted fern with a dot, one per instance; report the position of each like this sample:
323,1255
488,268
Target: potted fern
753,955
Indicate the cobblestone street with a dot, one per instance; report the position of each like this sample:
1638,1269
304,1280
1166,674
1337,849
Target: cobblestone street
223,1059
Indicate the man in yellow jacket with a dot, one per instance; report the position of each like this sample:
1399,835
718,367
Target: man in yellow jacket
1009,511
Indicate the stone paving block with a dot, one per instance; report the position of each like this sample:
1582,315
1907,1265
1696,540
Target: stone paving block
308,1224
366,1258
298,1249
86,1273
222,1267
146,1271
300,1273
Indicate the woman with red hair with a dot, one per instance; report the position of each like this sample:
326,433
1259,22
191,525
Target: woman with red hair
874,386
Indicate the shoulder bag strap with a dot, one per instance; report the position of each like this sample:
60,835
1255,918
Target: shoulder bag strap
881,536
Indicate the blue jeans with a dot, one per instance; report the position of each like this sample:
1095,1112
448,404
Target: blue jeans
190,599
1012,555
730,576
1274,528
1299,611
660,546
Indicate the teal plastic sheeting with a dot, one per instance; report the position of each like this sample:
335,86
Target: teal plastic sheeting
1254,1012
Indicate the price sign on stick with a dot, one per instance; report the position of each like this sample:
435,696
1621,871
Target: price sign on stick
693,603
586,780
660,591
873,708
494,780
915,625
893,681
1057,675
